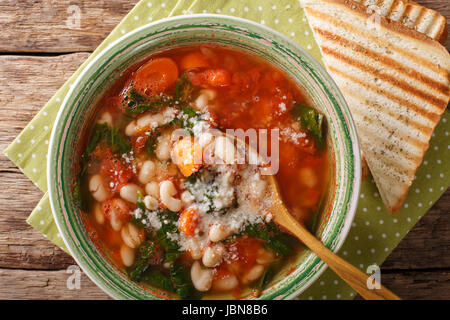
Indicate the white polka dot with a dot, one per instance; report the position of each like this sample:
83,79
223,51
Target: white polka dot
438,161
324,297
338,296
397,234
361,266
274,7
428,176
386,249
378,208
150,18
18,141
441,175
218,10
123,31
425,162
32,141
59,235
149,4
446,133
263,22
310,298
33,155
444,119
246,9
304,19
31,127
276,21
335,282
419,204
431,189
309,47
44,113
353,224
361,195
322,283
358,251
372,250
290,20
232,10
417,190
367,223
364,209
306,32
45,127
408,219
395,220
163,5
136,18
345,253
370,236
292,33
19,155
406,205
351,294
383,235
58,100
260,8
46,141
288,6
356,238
381,221
41,222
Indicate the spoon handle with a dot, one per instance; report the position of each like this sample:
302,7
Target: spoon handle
350,274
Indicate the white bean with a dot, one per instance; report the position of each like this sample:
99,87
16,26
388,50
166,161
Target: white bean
167,191
148,120
130,192
131,129
152,189
187,198
194,248
150,203
253,274
98,214
163,147
204,97
218,232
264,256
201,277
308,177
213,255
131,235
226,283
98,188
117,210
147,172
105,118
127,254
224,149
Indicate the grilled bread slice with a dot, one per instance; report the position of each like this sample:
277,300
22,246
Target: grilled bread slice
396,82
411,14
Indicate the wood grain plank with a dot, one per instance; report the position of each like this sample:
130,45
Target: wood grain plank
49,25
24,284
41,26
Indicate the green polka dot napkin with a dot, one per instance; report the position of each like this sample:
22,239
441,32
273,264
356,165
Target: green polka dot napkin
374,234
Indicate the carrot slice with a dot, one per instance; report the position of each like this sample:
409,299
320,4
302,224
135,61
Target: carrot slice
156,76
187,156
188,222
194,60
211,77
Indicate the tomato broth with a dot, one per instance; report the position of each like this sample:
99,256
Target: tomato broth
172,220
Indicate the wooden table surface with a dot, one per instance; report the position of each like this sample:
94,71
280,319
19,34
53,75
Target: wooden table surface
38,52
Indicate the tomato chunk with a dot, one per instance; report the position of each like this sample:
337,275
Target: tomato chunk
188,222
156,76
116,173
194,60
211,77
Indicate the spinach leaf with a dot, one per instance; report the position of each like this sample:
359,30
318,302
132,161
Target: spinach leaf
140,204
137,103
150,145
275,240
157,278
169,225
184,89
313,121
186,119
179,273
149,253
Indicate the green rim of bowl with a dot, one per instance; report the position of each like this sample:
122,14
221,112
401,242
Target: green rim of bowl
204,28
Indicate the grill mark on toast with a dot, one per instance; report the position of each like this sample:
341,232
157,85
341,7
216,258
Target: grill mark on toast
419,60
419,127
387,61
403,85
434,117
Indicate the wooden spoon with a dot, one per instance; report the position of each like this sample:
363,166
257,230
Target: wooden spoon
350,274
